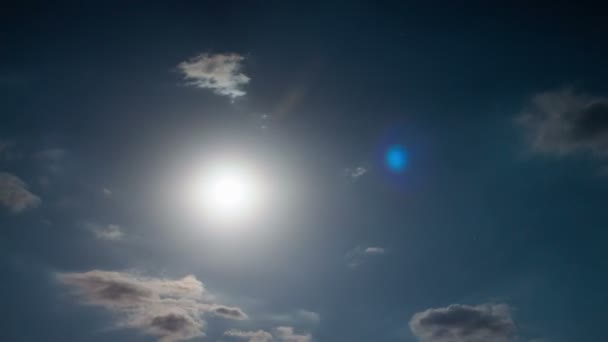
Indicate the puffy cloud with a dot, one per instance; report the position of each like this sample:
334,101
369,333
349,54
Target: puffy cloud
564,122
168,309
280,334
356,256
251,336
287,334
463,323
14,193
219,72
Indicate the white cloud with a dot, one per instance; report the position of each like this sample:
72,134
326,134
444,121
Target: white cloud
374,251
355,173
464,323
219,72
287,334
297,317
108,232
168,309
250,336
358,254
564,122
280,334
14,193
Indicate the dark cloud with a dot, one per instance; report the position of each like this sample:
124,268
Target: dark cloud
14,193
463,323
564,122
168,309
171,322
228,312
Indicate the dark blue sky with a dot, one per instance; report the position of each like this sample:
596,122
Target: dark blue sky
493,231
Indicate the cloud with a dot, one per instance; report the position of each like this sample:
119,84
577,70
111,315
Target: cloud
51,154
109,232
297,317
356,256
463,323
564,123
168,309
355,173
219,72
251,336
280,334
374,251
286,334
4,145
14,193
228,312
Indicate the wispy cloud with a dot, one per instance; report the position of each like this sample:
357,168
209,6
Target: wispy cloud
169,309
358,254
356,172
565,122
374,251
14,193
218,72
51,154
464,323
297,317
279,334
105,232
4,145
250,336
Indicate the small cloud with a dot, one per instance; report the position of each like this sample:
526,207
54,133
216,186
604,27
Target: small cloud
564,123
51,154
250,336
355,173
4,145
287,334
298,317
14,193
464,323
109,232
374,251
228,312
168,309
106,192
279,334
218,72
309,316
358,254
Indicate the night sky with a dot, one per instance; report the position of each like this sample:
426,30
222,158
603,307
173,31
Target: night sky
282,171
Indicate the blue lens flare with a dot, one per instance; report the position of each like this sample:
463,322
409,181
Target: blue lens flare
396,158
